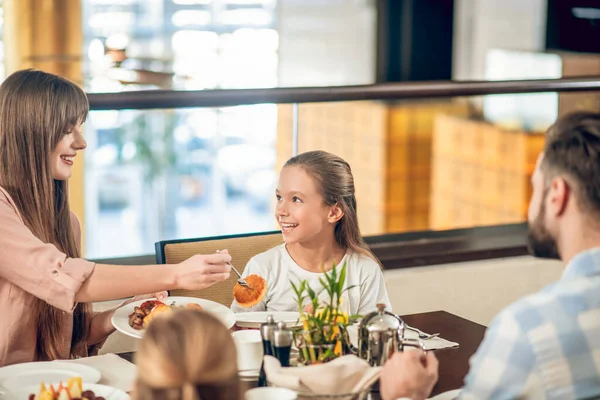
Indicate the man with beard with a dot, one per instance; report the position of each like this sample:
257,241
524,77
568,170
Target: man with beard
546,345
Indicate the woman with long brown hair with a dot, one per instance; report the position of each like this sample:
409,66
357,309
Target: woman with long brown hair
45,287
317,212
188,355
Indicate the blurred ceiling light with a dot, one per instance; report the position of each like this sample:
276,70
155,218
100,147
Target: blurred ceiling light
200,41
96,50
247,2
248,16
192,2
191,17
106,20
117,41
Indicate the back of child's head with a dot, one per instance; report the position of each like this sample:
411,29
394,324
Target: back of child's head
188,355
334,180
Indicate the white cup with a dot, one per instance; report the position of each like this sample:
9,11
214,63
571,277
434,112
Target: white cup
248,344
271,393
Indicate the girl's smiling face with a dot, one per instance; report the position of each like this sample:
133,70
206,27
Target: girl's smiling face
63,155
301,210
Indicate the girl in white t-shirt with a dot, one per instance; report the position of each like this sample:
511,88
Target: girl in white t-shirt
316,210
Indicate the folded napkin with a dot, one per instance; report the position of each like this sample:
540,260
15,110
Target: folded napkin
435,343
116,372
346,374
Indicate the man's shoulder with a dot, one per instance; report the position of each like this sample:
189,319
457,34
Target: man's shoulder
553,307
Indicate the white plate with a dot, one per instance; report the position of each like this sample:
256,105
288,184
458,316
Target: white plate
254,319
120,319
108,392
15,377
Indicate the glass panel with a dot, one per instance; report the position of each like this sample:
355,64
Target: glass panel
417,165
435,164
153,175
258,43
184,45
329,43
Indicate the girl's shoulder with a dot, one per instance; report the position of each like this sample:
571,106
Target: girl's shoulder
269,258
361,261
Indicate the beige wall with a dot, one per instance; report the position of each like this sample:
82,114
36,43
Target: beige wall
475,290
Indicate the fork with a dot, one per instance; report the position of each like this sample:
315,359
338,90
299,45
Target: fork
240,280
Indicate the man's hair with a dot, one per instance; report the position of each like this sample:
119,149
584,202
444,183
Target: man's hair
573,150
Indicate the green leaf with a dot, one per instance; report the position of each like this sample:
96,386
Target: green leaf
342,279
311,292
295,288
326,313
326,287
334,273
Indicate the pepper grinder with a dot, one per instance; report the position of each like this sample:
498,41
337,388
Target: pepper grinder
266,333
282,343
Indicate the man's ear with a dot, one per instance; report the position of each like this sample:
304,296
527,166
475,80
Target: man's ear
559,195
335,213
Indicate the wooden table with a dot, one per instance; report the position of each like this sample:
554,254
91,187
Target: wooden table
454,363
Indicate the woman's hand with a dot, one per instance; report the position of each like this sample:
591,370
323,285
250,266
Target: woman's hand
158,296
109,282
202,271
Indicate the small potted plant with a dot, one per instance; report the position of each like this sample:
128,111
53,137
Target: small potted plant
321,338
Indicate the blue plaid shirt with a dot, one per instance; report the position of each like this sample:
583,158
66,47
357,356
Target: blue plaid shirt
547,345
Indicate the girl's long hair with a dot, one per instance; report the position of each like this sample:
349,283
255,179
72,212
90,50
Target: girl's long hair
36,110
334,178
189,355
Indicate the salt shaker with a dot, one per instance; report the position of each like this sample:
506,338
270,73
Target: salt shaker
266,333
282,343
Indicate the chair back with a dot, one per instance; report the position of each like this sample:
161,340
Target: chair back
241,248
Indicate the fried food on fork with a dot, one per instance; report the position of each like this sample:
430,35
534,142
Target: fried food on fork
250,296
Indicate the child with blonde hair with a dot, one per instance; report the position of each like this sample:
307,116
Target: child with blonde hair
187,355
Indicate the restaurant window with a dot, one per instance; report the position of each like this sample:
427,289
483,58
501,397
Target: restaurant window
428,164
163,174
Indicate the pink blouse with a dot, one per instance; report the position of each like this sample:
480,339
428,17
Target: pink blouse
30,268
